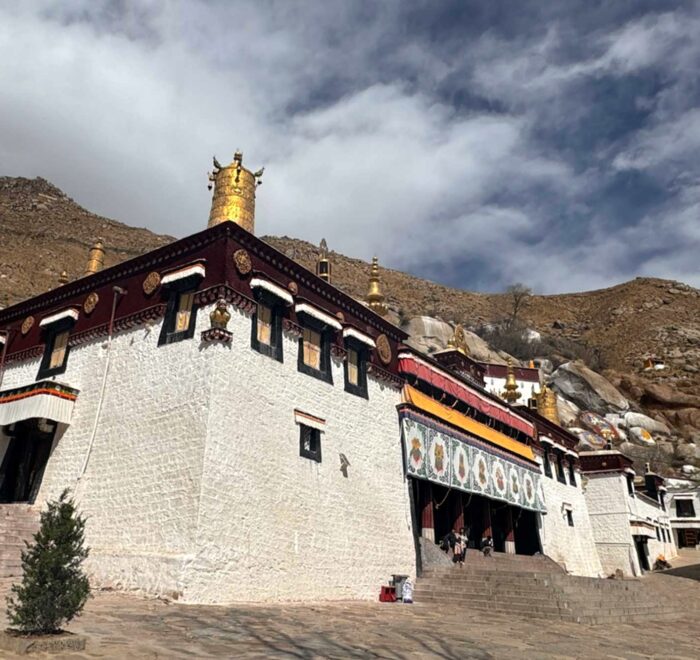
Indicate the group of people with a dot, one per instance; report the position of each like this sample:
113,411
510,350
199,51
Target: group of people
459,542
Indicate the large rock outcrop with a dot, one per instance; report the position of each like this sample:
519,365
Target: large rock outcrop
587,389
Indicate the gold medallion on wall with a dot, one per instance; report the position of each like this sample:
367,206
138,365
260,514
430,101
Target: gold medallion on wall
27,325
241,259
151,283
383,349
90,303
293,288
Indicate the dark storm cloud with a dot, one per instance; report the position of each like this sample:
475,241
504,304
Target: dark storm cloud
474,143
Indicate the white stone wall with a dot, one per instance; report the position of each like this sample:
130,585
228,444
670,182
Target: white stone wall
610,509
647,509
195,485
573,547
678,523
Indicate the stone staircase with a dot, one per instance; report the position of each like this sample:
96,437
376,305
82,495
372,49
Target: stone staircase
538,587
18,522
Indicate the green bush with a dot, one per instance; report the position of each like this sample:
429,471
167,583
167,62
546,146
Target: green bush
54,588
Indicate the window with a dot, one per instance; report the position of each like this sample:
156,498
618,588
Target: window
560,468
658,533
356,369
55,357
180,317
630,485
685,509
547,464
572,473
315,352
310,443
266,337
570,517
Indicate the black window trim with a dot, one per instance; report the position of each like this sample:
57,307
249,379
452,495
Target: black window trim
316,433
174,290
572,473
570,517
547,464
362,350
274,349
561,475
50,333
325,373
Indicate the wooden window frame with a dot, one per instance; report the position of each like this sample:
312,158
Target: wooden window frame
572,473
547,464
51,332
359,389
325,373
168,334
690,513
313,455
274,348
561,474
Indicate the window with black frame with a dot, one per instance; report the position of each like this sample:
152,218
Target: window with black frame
547,463
56,349
356,368
266,331
310,443
180,318
561,477
572,473
315,349
685,509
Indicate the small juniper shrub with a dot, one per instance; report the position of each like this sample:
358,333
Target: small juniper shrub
54,588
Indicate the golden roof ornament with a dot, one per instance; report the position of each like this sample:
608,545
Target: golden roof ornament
511,393
234,193
220,316
375,297
96,258
323,263
63,278
547,404
458,341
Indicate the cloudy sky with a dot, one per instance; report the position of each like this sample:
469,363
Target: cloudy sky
474,143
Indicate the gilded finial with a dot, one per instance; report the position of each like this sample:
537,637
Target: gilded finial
458,341
323,263
375,297
234,193
96,258
547,403
220,316
511,393
63,278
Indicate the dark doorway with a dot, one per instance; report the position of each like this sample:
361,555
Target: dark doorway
23,465
500,525
640,545
688,538
527,537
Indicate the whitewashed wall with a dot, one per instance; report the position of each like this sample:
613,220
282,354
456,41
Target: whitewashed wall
574,547
195,485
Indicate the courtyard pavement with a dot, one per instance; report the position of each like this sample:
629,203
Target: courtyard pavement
127,626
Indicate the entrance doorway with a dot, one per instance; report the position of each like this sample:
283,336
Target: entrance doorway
688,538
23,465
641,546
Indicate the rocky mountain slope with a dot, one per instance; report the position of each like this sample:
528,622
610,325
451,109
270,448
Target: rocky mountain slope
44,232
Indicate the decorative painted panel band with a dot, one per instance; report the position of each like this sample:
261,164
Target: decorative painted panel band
436,453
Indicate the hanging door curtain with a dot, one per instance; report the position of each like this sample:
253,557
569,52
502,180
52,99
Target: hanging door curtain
441,454
409,364
45,399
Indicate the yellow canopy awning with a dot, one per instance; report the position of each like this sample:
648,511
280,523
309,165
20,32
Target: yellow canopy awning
426,404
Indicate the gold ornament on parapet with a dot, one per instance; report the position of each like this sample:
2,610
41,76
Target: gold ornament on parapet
293,288
151,283
340,316
27,325
90,303
458,341
384,349
220,316
241,260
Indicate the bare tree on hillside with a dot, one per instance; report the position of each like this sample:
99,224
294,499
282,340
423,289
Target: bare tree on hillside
519,296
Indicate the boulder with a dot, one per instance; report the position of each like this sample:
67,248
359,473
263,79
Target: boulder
666,448
641,436
689,470
637,419
686,452
428,334
568,411
587,389
686,417
670,396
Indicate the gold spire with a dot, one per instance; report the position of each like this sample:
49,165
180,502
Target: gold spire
323,263
63,278
234,193
458,341
547,403
511,393
96,259
375,297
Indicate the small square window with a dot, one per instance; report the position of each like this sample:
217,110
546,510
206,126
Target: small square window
180,317
310,443
266,334
570,517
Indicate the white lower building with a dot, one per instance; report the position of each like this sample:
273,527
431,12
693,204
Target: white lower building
684,510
